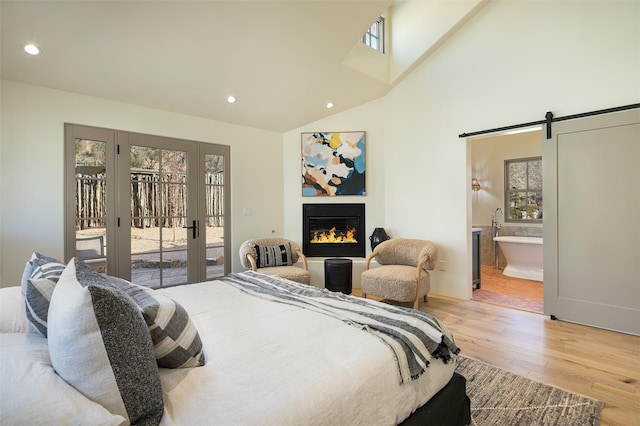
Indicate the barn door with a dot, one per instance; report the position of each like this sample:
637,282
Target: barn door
591,222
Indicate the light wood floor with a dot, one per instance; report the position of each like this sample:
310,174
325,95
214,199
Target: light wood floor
601,364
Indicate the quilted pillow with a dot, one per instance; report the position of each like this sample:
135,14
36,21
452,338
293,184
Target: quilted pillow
100,344
176,341
279,255
41,273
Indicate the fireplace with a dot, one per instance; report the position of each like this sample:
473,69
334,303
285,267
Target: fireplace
333,230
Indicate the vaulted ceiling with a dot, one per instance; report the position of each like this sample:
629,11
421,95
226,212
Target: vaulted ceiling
281,59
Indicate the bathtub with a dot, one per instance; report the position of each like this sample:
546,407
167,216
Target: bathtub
524,256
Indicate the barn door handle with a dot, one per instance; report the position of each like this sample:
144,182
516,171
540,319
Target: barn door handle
194,228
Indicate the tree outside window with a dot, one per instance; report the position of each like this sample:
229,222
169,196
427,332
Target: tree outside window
523,190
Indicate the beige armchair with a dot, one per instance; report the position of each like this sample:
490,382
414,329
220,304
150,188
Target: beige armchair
403,272
275,256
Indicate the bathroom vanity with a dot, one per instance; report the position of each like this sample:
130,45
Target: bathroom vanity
475,256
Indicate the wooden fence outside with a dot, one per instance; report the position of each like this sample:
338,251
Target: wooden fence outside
153,203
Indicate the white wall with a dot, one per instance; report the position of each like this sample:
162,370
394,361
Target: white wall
365,117
419,26
509,64
31,200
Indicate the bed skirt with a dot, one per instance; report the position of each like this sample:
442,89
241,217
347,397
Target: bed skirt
450,406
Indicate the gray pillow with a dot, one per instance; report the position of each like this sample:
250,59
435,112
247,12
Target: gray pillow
100,344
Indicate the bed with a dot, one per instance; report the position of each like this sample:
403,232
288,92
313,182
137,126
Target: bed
253,349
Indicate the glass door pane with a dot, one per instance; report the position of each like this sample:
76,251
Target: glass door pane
159,220
91,203
214,215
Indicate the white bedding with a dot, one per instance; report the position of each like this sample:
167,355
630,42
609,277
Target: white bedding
271,363
268,363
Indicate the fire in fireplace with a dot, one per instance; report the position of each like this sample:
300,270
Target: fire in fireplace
333,230
334,236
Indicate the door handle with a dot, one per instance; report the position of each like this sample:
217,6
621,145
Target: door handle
194,228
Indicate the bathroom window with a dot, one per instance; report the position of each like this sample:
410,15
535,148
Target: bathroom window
523,190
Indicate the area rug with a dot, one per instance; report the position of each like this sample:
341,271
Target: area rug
499,397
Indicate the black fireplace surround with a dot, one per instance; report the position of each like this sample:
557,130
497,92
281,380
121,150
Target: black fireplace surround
333,230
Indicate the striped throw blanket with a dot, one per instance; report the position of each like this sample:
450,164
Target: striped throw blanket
413,336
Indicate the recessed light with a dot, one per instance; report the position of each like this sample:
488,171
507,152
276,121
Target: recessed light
329,105
31,49
231,99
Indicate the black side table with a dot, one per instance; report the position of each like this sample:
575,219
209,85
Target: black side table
337,275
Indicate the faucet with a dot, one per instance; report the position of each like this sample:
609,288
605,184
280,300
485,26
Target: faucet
495,221
495,229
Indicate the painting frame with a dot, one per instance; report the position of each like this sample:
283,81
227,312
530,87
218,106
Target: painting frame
333,163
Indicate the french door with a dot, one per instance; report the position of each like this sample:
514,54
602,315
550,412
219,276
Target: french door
159,207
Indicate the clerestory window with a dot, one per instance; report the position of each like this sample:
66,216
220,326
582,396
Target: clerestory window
374,37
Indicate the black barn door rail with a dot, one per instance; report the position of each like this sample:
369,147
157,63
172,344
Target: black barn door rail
549,118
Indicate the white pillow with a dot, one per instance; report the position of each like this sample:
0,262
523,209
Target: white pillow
13,318
100,344
33,394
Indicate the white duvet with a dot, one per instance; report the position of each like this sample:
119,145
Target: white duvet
276,364
268,364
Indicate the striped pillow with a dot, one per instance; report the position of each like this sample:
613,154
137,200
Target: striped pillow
46,267
37,300
176,341
279,255
44,273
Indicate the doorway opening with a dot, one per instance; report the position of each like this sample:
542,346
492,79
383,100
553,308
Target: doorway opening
486,158
518,293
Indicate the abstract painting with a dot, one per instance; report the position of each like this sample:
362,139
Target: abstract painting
333,163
